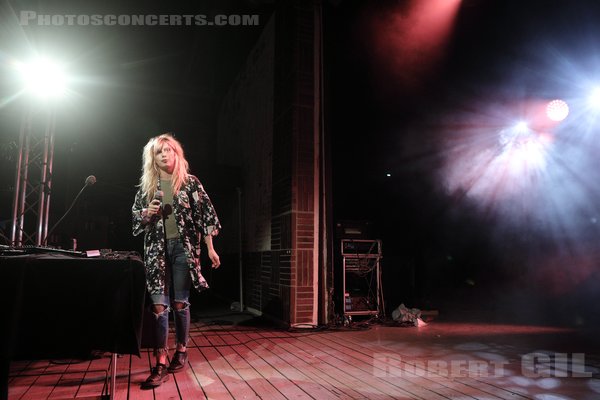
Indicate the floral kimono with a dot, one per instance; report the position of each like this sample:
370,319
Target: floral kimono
195,217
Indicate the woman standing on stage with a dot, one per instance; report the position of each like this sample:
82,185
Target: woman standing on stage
175,214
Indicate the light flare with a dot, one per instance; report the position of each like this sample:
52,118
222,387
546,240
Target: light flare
557,110
43,77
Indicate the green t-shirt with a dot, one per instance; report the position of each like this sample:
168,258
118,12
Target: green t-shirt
170,224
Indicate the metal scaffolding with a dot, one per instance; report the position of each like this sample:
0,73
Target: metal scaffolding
33,177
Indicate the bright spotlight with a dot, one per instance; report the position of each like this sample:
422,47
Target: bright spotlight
44,78
521,127
594,98
557,110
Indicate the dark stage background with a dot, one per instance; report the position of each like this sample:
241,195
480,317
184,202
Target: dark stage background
417,139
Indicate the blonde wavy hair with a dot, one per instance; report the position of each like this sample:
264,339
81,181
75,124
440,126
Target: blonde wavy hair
151,173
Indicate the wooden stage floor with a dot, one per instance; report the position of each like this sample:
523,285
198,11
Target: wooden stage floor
443,360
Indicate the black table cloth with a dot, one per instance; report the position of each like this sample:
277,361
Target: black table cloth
60,306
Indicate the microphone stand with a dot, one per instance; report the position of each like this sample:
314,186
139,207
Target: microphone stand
88,182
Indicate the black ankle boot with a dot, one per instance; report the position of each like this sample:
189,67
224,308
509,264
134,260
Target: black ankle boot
157,376
178,361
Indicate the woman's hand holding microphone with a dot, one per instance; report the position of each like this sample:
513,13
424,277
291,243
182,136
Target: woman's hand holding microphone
153,207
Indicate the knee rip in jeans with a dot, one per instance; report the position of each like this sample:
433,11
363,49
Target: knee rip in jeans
163,312
180,305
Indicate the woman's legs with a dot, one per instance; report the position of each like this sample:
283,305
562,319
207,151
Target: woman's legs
181,282
161,326
161,329
177,288
182,324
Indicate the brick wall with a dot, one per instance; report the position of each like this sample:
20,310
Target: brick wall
279,189
294,133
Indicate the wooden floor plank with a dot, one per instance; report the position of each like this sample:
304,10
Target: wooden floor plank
316,371
432,384
187,384
424,386
231,362
445,385
44,385
70,382
25,379
139,370
265,369
360,382
259,384
361,377
200,339
207,378
94,378
455,385
273,354
215,339
229,376
16,367
229,339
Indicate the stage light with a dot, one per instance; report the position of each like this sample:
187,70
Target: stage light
43,78
521,127
594,99
557,110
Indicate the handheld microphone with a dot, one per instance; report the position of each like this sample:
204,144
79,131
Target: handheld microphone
89,181
158,195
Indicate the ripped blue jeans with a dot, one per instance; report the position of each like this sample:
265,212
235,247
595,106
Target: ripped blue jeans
177,289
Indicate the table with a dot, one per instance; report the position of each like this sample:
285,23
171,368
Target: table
61,306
